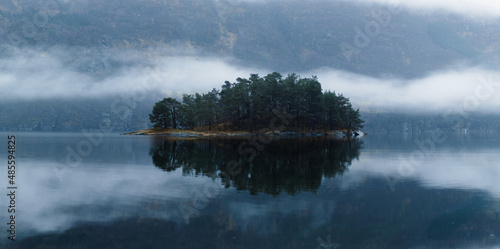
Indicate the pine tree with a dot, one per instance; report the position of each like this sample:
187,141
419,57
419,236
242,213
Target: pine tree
249,104
164,113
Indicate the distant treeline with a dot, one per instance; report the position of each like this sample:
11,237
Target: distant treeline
248,104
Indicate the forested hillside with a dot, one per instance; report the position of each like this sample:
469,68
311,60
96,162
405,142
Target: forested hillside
280,35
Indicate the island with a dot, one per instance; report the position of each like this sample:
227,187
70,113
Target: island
270,105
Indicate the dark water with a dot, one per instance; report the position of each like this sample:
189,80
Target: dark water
379,191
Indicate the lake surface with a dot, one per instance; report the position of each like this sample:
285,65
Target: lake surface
380,191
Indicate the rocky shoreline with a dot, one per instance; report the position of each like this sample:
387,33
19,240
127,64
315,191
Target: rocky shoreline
290,134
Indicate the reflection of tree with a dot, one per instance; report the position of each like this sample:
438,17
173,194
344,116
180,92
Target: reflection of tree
164,156
290,165
296,165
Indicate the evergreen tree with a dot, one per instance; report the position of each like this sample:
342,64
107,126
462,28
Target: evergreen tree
249,104
354,121
164,113
313,104
209,108
227,102
187,112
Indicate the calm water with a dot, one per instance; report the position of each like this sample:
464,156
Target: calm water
380,191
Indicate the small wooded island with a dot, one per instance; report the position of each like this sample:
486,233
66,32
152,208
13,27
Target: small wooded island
257,105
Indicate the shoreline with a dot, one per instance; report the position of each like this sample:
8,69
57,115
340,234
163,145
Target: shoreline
197,134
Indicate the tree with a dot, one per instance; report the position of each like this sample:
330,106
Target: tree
354,120
187,112
164,113
174,107
209,108
257,97
249,104
241,99
161,115
313,104
336,107
199,110
227,101
274,94
291,94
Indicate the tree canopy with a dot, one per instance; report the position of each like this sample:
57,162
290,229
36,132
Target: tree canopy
248,104
164,113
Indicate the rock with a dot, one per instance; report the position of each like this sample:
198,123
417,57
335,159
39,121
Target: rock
314,134
269,132
337,134
359,133
291,133
182,134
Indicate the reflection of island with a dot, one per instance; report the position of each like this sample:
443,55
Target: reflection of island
290,165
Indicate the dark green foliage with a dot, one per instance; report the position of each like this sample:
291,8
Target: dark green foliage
187,112
249,104
165,113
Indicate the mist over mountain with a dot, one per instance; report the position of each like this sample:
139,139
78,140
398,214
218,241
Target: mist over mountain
385,57
278,35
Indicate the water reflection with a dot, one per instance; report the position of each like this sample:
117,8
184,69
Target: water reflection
117,198
285,165
469,163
